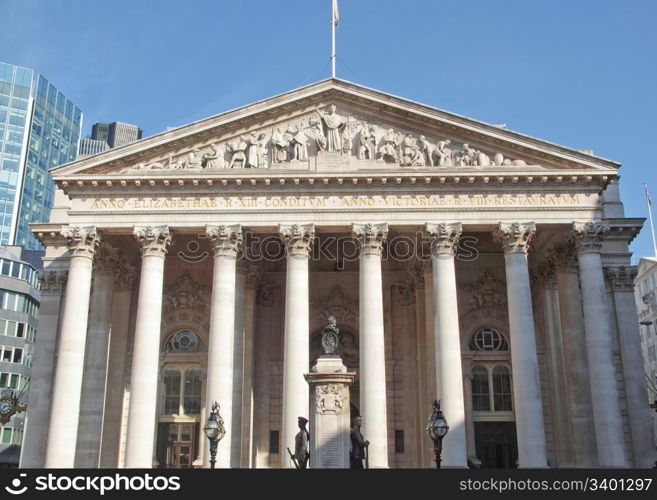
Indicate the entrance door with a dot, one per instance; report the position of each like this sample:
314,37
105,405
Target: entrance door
176,445
496,444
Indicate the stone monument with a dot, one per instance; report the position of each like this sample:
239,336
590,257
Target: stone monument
329,383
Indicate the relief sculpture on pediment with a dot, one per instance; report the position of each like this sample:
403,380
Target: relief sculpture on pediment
327,139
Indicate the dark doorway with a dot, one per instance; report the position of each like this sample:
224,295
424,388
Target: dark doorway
176,445
496,444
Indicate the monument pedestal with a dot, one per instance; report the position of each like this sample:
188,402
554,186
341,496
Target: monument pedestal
330,424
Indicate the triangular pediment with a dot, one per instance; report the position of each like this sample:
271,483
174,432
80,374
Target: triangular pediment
334,125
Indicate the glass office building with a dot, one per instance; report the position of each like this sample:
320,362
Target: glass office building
39,130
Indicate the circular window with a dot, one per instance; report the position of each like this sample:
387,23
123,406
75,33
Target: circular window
183,341
488,339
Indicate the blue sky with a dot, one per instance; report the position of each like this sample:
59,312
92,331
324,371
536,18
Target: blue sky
579,73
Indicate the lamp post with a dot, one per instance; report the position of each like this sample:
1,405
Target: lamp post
215,431
437,429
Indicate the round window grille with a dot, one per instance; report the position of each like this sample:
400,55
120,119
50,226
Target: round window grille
183,341
488,339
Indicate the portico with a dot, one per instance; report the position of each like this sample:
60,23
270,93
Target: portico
441,279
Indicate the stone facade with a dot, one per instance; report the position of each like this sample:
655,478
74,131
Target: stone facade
437,242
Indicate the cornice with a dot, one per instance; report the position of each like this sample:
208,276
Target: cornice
245,179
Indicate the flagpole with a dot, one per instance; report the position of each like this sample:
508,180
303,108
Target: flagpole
652,226
333,38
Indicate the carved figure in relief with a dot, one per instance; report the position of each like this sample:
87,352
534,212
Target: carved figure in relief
301,453
262,151
357,451
329,400
366,143
390,145
299,143
213,158
467,157
334,125
318,132
252,152
238,148
444,153
192,160
425,148
411,154
279,145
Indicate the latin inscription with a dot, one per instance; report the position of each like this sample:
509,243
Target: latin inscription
338,202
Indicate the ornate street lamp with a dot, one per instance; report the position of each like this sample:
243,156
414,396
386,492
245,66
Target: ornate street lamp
437,429
215,431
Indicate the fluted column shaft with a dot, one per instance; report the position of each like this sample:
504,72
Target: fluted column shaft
296,348
219,382
599,346
527,400
575,360
372,374
146,354
52,283
65,411
449,374
92,403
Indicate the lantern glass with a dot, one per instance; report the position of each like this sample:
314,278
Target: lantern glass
211,429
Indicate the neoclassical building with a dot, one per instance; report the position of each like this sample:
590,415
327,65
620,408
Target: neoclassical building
462,261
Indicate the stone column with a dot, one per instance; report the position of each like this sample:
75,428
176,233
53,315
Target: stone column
576,367
248,359
296,349
52,283
154,241
515,238
599,346
372,345
621,280
449,374
65,411
226,242
118,352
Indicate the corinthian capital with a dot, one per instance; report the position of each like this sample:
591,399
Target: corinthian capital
107,258
298,238
226,240
82,240
562,256
588,236
371,237
515,236
444,237
622,277
154,240
52,281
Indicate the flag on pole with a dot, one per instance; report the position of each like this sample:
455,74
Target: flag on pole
336,13
645,186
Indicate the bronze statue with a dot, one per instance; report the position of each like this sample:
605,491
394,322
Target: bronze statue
358,450
301,453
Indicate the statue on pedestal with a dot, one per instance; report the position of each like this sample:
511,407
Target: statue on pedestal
301,454
358,450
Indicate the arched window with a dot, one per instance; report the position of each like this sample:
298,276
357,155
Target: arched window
502,388
480,389
182,341
488,339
